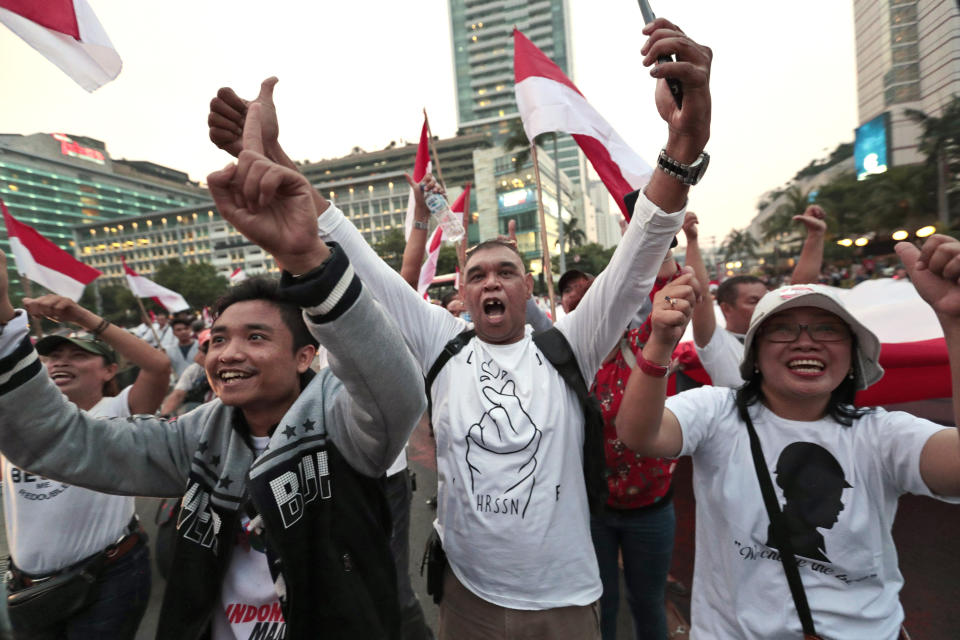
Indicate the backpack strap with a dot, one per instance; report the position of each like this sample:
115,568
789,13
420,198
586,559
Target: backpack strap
454,346
778,528
555,347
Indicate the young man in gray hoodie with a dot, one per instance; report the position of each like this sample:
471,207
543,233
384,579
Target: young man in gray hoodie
283,527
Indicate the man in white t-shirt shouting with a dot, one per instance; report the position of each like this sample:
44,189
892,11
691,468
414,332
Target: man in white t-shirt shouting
512,506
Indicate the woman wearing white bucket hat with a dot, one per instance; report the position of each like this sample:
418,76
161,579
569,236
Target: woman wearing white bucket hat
814,555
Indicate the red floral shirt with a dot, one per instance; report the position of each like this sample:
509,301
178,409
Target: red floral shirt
634,481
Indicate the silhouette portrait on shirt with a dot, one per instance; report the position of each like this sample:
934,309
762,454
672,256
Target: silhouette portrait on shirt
812,482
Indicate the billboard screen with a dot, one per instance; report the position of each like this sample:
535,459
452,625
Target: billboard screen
516,198
871,146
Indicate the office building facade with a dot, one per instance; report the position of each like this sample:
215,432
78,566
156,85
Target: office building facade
481,33
908,57
54,182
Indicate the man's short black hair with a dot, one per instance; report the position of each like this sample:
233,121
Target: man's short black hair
268,290
727,291
181,320
492,244
571,276
449,297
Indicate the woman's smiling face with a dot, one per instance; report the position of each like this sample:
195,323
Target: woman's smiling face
804,369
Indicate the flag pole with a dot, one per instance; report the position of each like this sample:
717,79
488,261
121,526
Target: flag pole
548,275
462,248
146,320
143,311
34,320
433,150
144,314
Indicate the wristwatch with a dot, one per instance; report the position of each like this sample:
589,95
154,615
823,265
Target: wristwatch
421,225
685,173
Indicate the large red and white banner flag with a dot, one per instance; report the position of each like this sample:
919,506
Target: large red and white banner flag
145,288
68,34
548,101
913,351
421,167
44,262
429,269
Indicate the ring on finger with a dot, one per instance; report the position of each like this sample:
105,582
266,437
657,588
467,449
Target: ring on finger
672,301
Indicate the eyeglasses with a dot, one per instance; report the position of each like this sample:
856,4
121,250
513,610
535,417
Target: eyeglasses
819,332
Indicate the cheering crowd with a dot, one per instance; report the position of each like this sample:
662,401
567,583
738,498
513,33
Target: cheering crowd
554,447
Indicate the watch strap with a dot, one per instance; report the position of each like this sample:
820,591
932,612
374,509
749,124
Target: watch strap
689,174
651,368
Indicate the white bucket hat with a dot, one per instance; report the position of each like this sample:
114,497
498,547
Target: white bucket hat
867,358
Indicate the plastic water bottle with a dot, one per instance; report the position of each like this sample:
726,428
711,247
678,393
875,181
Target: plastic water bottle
450,221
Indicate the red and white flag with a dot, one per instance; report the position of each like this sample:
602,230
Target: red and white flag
548,101
238,276
68,34
146,288
421,167
429,268
44,262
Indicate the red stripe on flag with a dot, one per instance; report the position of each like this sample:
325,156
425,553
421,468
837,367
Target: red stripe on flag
528,61
461,203
126,267
45,252
423,154
436,239
607,169
57,15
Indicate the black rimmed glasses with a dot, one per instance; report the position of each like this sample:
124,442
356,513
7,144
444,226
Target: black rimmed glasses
819,332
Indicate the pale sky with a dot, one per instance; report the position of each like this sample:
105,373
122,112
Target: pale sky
358,74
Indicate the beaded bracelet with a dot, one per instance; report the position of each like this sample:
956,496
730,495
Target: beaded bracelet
100,328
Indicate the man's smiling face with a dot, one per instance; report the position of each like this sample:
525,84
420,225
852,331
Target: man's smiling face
251,362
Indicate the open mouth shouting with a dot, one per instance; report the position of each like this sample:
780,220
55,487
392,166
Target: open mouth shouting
807,366
494,308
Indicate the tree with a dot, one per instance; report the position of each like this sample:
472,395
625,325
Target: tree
782,218
739,244
518,142
198,282
117,302
447,259
590,257
940,142
573,235
391,246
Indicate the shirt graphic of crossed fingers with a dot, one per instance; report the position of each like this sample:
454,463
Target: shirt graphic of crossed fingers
501,452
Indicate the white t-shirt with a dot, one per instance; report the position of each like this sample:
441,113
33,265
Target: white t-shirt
190,377
721,358
510,479
848,562
51,525
178,361
249,606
